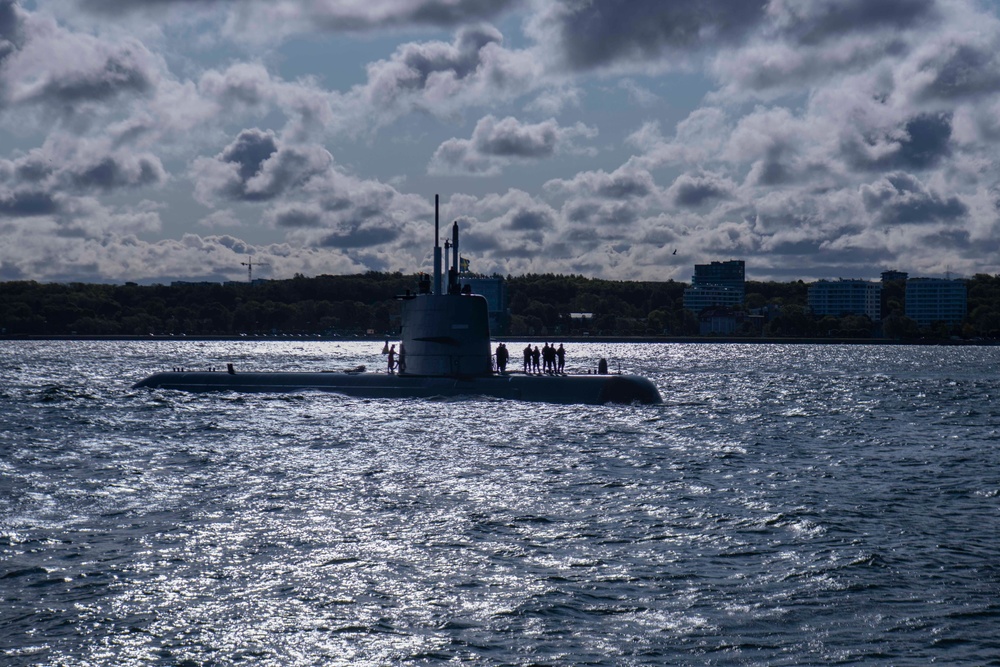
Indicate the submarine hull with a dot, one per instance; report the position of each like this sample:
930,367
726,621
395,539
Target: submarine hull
586,389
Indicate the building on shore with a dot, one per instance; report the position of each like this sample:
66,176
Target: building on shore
716,284
494,288
930,300
894,276
845,297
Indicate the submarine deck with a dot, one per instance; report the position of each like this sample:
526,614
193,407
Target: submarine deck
567,389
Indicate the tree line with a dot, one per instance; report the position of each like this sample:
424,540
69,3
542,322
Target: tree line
352,305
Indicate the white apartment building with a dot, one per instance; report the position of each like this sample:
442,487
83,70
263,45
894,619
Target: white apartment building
930,300
846,297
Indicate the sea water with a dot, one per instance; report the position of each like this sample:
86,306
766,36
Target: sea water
785,505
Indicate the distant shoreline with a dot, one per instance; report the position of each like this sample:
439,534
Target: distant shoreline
516,339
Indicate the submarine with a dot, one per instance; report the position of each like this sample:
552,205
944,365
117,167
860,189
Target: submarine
444,352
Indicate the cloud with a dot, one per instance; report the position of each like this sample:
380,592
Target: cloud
264,22
814,21
496,144
59,179
627,182
602,33
48,66
26,203
441,78
833,133
698,138
922,142
285,18
900,198
256,166
695,190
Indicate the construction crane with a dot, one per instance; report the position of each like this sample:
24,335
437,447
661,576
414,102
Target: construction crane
249,265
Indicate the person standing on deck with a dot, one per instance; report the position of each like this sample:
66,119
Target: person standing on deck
392,359
561,358
502,358
527,358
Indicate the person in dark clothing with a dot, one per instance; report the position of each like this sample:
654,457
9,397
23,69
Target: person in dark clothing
502,358
527,359
392,359
547,357
536,357
560,358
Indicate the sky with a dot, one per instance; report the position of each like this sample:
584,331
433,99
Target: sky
161,140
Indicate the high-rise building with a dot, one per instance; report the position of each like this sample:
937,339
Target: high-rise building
891,275
716,284
845,297
495,291
930,300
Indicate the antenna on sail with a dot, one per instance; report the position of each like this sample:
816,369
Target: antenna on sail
437,249
453,272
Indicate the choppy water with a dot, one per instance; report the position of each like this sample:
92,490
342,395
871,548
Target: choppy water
787,505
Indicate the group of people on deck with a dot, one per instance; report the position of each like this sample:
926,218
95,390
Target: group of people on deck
550,359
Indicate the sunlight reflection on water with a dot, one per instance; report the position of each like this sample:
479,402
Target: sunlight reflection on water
785,504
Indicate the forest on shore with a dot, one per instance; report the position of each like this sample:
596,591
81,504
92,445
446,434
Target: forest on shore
364,304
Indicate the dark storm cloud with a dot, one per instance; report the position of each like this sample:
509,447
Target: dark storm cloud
414,63
33,169
88,167
626,182
818,20
264,168
772,169
343,17
949,238
625,185
594,33
441,13
925,141
527,220
110,172
694,190
360,237
591,214
10,28
27,203
966,71
121,72
901,198
45,65
297,217
249,150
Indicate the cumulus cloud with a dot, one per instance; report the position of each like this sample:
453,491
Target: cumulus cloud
60,179
249,18
815,136
697,189
497,143
900,198
601,33
920,143
442,78
48,66
257,167
627,182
